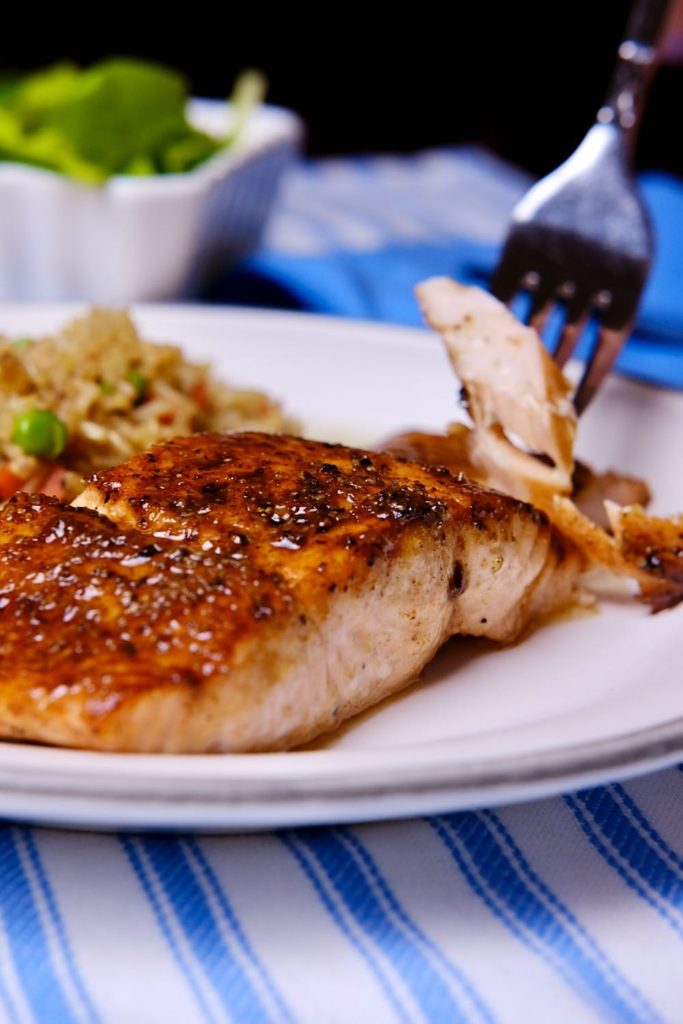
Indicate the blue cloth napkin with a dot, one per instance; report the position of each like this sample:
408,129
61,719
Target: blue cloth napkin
419,218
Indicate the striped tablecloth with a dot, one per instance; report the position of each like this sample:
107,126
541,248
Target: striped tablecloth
564,910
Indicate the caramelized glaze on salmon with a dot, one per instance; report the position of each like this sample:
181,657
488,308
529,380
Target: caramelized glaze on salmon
249,592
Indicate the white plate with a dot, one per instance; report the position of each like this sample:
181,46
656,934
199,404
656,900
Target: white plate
582,701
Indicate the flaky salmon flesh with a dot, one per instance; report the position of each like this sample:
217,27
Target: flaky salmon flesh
250,592
520,440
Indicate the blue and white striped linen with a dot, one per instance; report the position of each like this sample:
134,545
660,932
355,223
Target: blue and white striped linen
565,910
562,911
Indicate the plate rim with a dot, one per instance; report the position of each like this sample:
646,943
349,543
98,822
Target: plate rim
660,743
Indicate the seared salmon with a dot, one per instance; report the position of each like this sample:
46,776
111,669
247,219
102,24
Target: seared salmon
250,592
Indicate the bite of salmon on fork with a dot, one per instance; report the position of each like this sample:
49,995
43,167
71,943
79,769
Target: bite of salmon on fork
519,439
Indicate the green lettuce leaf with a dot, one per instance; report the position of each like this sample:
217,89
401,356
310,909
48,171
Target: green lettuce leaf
120,116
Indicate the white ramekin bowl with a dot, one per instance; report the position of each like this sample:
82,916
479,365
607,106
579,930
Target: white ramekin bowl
137,238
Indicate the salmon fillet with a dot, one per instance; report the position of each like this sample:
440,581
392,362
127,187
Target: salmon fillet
250,592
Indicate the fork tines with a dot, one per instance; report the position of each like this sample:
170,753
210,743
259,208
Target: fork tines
581,238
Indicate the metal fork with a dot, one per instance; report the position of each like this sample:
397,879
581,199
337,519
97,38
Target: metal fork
581,236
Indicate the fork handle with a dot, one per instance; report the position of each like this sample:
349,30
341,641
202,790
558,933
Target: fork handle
636,59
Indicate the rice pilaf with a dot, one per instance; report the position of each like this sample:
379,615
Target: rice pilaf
106,394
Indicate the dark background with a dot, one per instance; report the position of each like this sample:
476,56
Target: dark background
525,79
